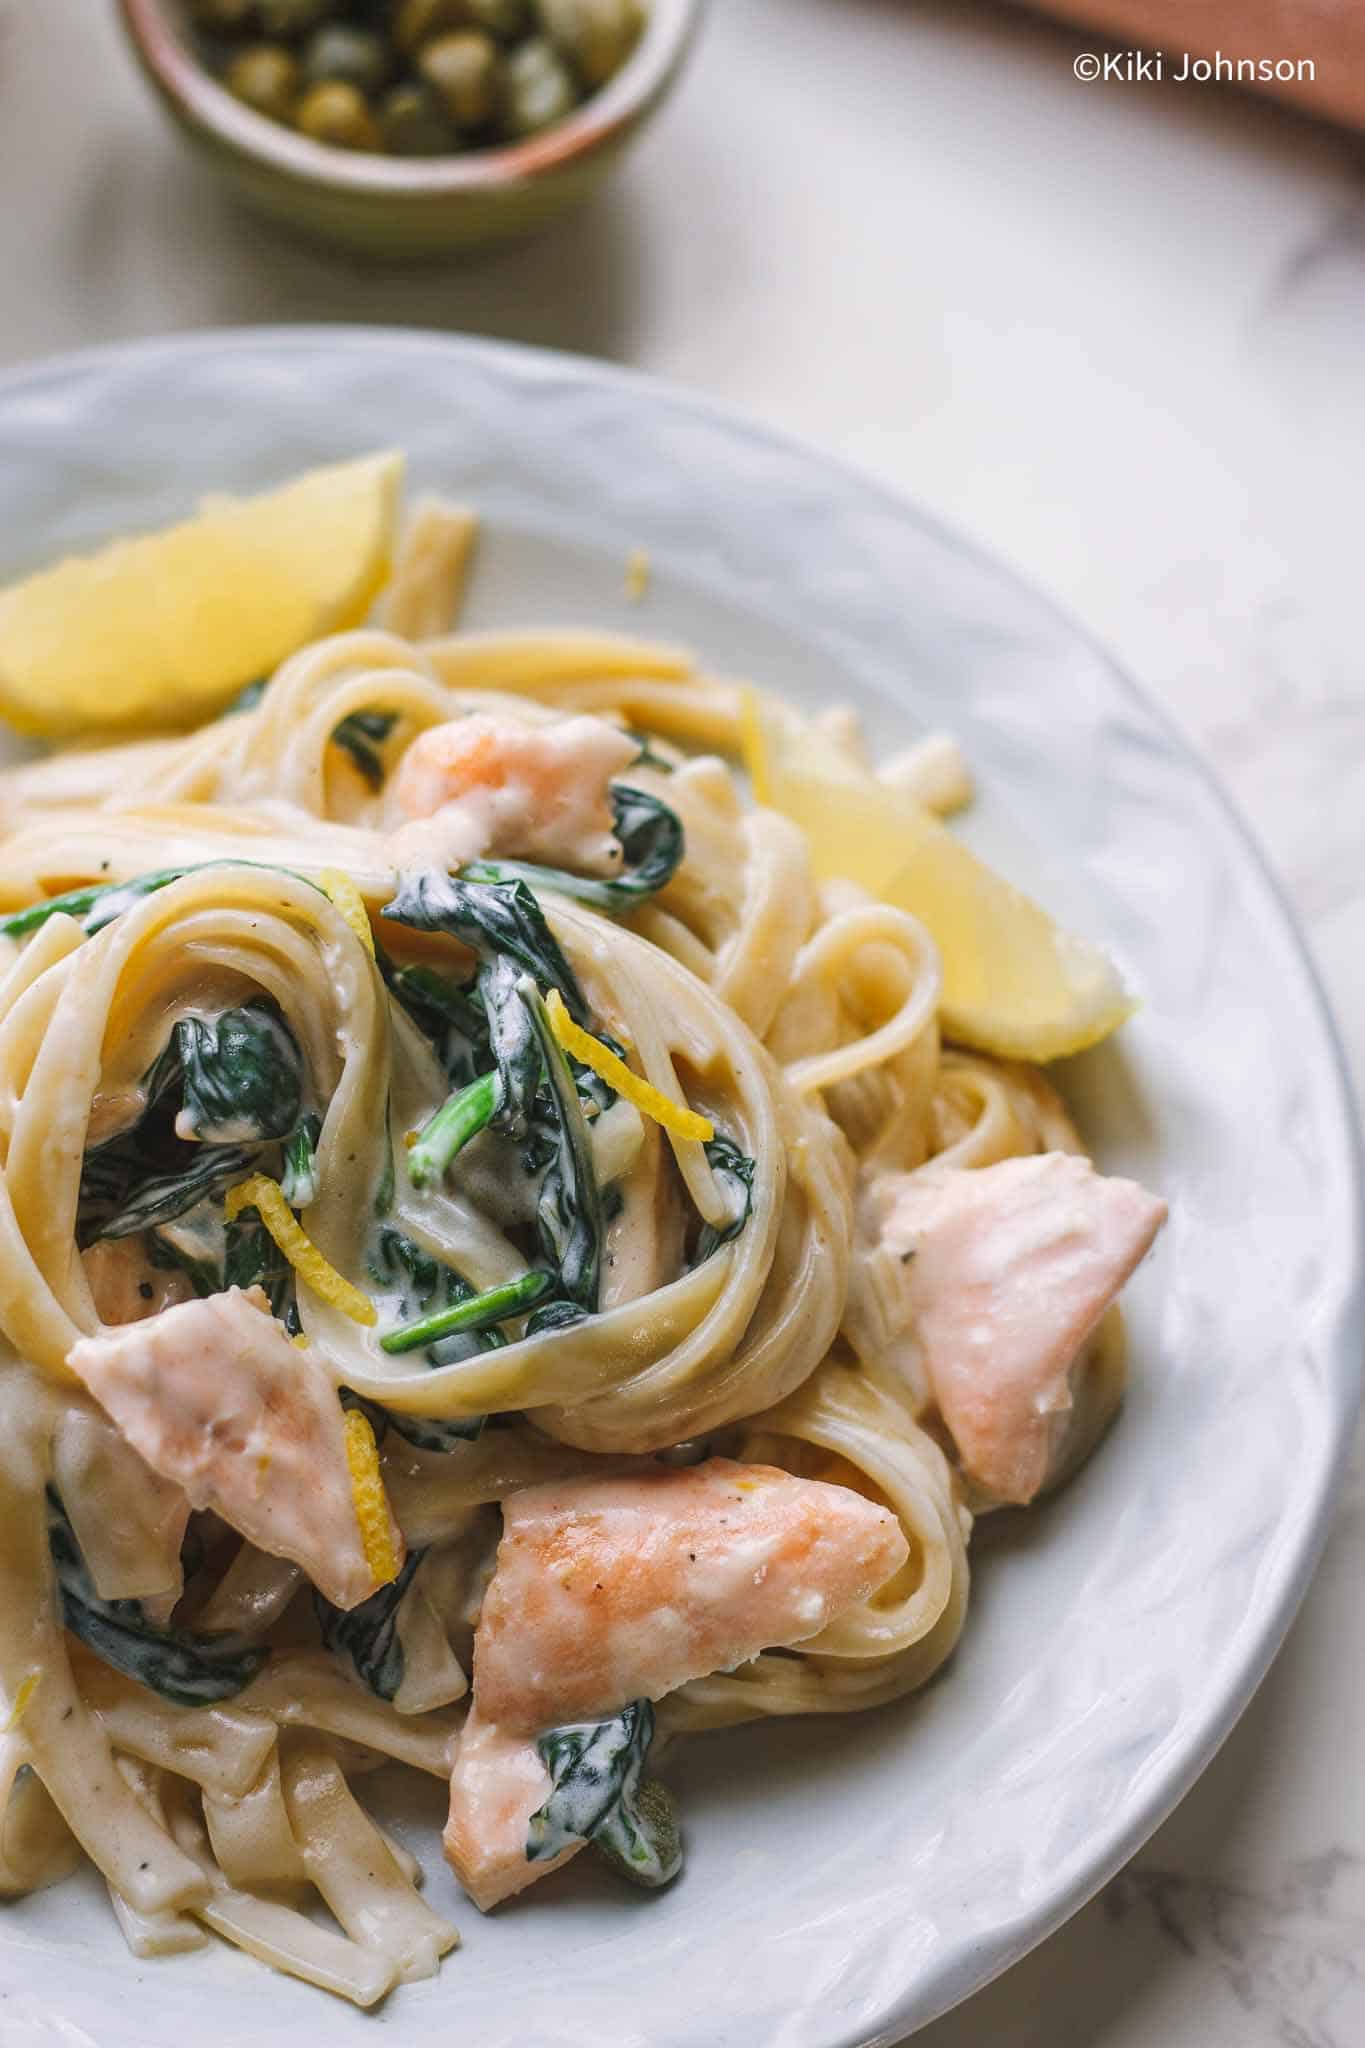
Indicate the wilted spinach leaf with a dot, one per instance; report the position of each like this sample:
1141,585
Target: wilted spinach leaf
492,919
735,1172
400,1260
241,1075
569,1211
445,1014
238,1078
424,1432
554,1315
512,1042
652,845
368,1634
121,1193
359,734
652,839
429,1285
218,1255
192,1670
505,928
431,1433
93,907
253,1259
595,1768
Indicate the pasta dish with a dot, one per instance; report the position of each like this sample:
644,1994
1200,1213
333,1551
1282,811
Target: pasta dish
511,1255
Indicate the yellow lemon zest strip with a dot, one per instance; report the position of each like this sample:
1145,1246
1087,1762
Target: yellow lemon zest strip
264,1195
371,1501
27,1688
753,747
637,574
684,1123
342,891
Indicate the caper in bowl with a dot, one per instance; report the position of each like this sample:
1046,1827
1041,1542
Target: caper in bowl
408,126
499,70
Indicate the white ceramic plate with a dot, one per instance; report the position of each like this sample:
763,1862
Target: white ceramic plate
848,1880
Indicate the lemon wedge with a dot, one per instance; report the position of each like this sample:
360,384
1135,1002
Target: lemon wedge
161,630
1014,983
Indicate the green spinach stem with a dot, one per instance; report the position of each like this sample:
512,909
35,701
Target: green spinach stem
478,1312
461,1117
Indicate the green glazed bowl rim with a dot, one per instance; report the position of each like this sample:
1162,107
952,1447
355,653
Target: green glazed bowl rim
155,32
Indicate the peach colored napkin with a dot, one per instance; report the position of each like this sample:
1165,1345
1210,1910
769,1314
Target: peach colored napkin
1329,34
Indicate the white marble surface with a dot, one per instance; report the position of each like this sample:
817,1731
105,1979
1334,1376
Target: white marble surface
1117,335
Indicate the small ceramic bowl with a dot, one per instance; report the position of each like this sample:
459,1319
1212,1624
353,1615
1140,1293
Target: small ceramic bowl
400,207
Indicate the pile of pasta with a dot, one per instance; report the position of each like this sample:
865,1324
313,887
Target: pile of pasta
799,1020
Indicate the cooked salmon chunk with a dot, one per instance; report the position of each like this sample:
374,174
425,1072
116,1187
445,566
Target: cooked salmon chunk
1010,1269
488,784
497,1783
125,1287
613,1590
214,1395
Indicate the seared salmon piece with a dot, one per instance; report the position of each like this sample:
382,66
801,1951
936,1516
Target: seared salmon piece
214,1395
485,785
125,1287
497,1783
1010,1269
612,1590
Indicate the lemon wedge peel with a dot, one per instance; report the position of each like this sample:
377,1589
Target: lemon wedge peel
1015,983
163,629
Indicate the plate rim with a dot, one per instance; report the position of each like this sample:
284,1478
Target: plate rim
1341,1337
